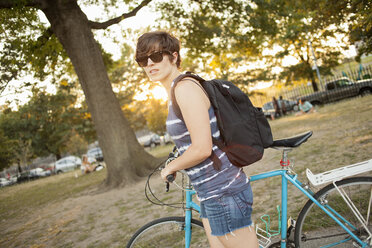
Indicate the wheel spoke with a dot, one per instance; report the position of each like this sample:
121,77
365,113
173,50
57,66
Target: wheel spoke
314,228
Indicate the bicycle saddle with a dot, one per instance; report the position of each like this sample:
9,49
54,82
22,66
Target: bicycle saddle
294,141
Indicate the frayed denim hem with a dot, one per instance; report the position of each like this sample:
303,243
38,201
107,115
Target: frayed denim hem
251,227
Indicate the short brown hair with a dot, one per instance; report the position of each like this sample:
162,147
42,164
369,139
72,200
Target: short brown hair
158,40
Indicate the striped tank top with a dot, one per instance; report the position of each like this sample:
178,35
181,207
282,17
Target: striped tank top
207,182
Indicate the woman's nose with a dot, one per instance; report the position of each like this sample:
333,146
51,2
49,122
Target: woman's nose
149,62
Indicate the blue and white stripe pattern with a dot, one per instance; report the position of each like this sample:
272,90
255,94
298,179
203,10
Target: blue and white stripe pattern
207,181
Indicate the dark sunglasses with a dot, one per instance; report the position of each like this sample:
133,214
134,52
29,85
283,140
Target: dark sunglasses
155,57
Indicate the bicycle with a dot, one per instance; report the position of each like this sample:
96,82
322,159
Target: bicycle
338,215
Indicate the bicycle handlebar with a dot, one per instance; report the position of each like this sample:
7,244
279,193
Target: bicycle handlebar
170,178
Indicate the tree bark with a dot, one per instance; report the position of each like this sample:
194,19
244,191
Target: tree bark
126,159
313,82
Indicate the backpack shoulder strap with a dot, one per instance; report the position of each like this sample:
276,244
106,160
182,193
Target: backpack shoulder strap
216,161
186,75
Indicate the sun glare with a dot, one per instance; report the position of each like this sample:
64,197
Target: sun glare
157,92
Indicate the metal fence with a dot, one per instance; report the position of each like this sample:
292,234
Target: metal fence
294,93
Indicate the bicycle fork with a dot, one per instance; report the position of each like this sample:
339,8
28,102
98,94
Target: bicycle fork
188,215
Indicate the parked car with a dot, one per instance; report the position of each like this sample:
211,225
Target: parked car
13,179
67,164
150,140
4,182
26,176
268,108
40,172
95,153
166,139
340,89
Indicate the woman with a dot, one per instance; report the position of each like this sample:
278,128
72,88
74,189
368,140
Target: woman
86,166
276,108
225,195
305,107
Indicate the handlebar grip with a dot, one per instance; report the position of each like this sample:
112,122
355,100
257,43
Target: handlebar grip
170,178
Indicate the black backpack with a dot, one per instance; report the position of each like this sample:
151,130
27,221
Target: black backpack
244,129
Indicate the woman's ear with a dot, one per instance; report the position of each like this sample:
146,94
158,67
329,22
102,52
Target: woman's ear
175,57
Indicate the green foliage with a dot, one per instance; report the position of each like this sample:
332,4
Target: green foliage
125,75
43,126
77,145
27,45
17,126
135,113
148,114
214,26
356,14
156,115
6,151
84,126
300,23
361,26
54,115
220,35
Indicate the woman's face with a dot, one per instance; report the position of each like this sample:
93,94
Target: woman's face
160,71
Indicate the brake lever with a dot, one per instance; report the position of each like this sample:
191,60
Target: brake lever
170,178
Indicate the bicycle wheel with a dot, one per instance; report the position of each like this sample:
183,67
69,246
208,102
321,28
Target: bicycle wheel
168,232
314,228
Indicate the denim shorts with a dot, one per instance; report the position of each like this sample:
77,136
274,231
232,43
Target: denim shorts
228,212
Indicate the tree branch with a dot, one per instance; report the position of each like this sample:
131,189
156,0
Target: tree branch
104,25
7,4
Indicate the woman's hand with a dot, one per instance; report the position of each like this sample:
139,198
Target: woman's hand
167,171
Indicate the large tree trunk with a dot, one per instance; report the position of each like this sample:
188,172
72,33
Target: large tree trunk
126,159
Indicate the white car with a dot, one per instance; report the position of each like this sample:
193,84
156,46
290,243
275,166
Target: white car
95,153
4,182
40,172
166,138
67,164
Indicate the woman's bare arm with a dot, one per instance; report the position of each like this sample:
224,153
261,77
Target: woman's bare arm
194,105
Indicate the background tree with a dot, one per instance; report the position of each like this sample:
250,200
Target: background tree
125,157
43,126
222,37
156,115
7,147
19,128
301,29
230,35
357,19
54,115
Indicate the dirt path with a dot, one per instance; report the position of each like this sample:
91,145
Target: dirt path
75,222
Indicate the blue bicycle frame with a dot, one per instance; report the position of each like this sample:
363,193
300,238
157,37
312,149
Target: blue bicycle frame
286,176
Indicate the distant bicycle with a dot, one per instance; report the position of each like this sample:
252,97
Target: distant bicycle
338,215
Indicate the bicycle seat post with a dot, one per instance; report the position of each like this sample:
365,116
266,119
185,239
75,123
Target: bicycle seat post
284,162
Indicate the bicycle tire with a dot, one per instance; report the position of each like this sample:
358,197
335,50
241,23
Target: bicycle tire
168,232
314,228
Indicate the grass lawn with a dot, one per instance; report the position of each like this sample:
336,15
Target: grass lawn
67,210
